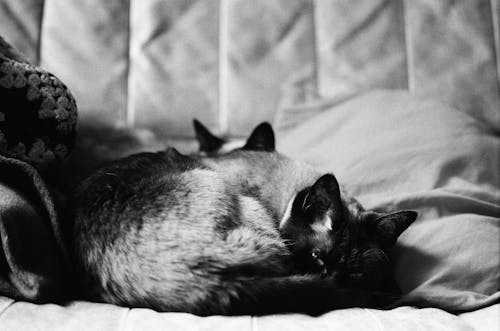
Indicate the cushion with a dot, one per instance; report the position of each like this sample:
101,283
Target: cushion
395,151
37,114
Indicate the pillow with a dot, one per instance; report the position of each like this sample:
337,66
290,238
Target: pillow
393,151
37,112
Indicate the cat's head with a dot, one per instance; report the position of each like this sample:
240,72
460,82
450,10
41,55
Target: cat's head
261,139
327,236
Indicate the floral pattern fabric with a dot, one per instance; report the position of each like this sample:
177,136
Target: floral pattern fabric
37,114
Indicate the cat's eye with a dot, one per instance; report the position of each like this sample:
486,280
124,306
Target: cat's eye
319,263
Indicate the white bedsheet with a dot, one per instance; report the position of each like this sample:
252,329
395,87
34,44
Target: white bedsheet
486,319
15,316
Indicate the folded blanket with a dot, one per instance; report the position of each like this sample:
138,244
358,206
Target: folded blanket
37,131
32,253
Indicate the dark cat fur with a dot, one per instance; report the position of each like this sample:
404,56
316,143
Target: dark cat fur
329,237
200,235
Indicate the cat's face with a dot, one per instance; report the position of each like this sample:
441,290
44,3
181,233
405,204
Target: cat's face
327,236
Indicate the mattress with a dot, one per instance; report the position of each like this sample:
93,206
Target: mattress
87,316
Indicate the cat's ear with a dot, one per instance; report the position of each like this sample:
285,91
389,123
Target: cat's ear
323,196
208,142
261,139
389,227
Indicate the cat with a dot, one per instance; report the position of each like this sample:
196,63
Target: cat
329,237
215,235
362,239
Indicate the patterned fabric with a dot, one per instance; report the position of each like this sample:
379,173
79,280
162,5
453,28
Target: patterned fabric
37,114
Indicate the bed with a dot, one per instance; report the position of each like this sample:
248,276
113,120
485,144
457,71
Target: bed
398,98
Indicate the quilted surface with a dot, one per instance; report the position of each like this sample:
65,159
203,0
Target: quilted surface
157,64
26,316
38,125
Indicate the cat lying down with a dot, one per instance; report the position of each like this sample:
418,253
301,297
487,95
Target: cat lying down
249,231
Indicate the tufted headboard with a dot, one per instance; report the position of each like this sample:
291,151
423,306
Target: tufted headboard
156,64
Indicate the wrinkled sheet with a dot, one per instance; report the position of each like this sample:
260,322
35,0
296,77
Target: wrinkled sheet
395,151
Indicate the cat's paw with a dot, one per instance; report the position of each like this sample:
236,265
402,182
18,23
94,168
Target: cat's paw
382,300
319,264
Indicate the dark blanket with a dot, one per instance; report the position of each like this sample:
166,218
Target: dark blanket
32,253
37,131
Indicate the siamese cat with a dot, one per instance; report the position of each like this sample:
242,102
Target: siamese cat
312,224
245,232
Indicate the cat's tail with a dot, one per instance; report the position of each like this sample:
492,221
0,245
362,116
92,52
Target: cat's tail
253,275
309,294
